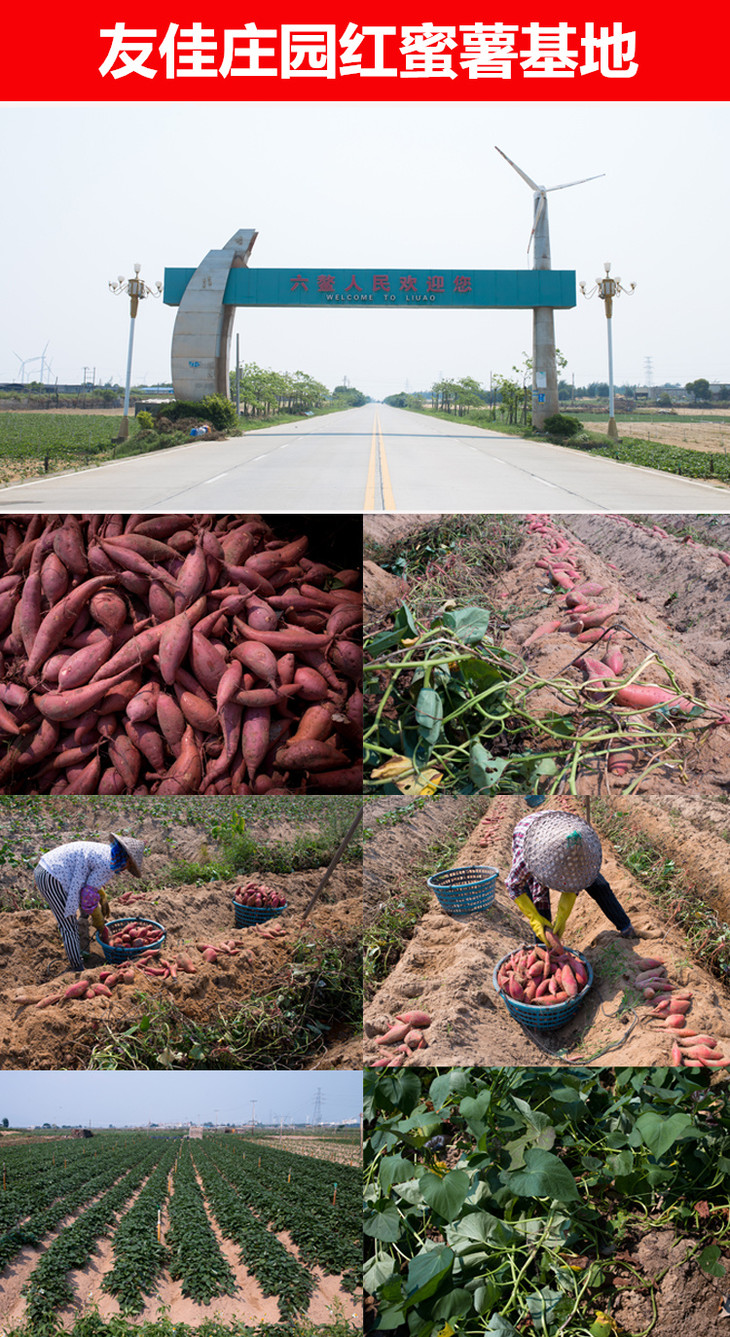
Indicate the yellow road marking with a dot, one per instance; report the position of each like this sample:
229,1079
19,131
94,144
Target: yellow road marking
370,485
378,481
388,498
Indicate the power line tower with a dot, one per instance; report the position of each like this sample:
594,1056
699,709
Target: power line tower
648,372
318,1102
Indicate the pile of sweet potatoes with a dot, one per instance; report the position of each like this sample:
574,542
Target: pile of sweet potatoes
257,896
175,654
690,1048
543,976
136,933
406,1032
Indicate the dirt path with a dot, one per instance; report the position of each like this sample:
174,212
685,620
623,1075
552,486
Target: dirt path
447,968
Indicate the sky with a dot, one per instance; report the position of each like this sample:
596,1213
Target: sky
96,188
137,1098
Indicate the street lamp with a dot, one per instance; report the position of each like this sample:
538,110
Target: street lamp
608,288
136,289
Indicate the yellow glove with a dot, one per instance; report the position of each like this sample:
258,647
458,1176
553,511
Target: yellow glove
565,905
104,904
97,917
536,921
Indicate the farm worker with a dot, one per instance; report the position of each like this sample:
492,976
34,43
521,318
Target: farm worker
71,877
555,849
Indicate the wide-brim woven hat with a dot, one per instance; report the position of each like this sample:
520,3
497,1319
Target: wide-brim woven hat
134,850
562,851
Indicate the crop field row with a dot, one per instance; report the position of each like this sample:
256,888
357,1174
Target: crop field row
65,440
163,1203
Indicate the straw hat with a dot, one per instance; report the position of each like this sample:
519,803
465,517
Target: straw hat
134,850
562,851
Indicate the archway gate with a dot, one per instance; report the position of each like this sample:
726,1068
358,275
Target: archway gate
207,297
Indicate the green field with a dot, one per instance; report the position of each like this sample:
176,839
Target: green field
64,440
159,1199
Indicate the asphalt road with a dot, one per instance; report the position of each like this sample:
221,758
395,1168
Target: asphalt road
370,459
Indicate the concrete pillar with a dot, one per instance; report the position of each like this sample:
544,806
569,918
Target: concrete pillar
544,372
201,337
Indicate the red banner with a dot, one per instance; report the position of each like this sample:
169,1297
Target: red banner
317,51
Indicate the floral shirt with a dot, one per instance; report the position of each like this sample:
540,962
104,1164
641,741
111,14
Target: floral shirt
82,863
519,878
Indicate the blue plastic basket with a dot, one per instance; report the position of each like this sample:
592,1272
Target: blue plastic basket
117,954
253,914
464,891
544,1018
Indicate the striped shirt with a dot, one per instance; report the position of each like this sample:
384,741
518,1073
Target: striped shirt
519,878
82,863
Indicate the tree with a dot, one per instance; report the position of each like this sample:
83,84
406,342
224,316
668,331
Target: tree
511,395
6,1123
699,389
347,394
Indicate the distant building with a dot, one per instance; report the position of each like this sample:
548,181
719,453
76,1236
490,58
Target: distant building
195,1132
81,1132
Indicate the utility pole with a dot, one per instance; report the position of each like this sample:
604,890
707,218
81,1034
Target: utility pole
253,1120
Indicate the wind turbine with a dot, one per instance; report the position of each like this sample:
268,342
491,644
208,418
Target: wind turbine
544,372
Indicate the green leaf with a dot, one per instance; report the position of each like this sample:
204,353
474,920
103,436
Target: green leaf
500,1327
482,676
543,1303
544,1176
659,1133
426,1272
474,1109
485,771
469,624
446,1196
708,1261
403,627
377,1271
384,1225
622,1163
429,714
457,1304
394,1170
480,1228
453,1081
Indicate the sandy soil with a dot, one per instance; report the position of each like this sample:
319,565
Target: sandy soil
710,436
448,965
682,586
383,533
398,845
651,575
687,1301
34,965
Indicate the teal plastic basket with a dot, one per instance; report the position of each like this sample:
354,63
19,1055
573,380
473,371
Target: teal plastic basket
465,891
544,1018
118,954
245,915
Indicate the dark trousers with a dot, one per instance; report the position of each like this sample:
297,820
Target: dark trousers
600,892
